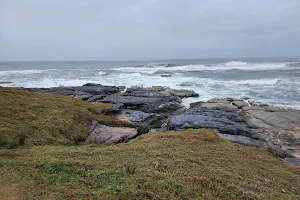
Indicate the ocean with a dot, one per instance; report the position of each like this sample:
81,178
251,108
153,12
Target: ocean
275,81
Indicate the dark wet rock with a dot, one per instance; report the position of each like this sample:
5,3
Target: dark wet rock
144,121
95,98
135,116
98,90
101,134
143,128
224,121
138,117
146,93
6,82
240,104
183,93
83,97
180,122
92,84
161,106
145,104
158,88
179,111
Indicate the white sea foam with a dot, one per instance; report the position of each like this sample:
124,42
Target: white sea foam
268,90
236,63
25,72
101,73
233,65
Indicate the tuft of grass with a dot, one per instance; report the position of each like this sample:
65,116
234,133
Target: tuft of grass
195,164
28,118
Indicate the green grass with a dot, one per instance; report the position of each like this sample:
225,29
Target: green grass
40,119
194,164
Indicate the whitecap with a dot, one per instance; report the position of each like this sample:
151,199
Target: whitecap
101,73
236,63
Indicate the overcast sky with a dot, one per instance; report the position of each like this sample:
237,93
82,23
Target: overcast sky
147,29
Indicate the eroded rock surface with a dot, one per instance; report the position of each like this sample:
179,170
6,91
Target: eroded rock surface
101,134
275,128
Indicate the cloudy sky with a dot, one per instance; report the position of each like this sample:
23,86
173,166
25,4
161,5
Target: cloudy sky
147,29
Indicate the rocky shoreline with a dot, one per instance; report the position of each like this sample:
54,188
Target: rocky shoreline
159,109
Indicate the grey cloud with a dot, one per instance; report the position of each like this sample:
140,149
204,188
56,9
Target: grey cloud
147,29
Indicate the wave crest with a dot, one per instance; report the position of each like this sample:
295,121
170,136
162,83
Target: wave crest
235,63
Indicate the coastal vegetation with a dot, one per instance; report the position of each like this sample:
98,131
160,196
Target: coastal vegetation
28,118
42,157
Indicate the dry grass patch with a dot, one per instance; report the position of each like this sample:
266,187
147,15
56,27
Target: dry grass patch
194,164
28,118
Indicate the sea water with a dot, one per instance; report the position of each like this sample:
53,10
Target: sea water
275,81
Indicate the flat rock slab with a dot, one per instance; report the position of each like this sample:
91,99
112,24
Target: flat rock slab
285,120
217,100
101,134
215,106
240,104
183,93
246,108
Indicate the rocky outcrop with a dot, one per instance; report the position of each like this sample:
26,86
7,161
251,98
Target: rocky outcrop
148,108
159,109
221,120
101,134
275,128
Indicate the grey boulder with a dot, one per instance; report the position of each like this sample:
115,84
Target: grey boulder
101,134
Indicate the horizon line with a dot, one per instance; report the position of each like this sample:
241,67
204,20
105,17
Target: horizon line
107,60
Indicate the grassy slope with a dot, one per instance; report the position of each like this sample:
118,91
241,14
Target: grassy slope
195,164
47,119
198,165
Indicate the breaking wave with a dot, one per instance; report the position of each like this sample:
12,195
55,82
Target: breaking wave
233,65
